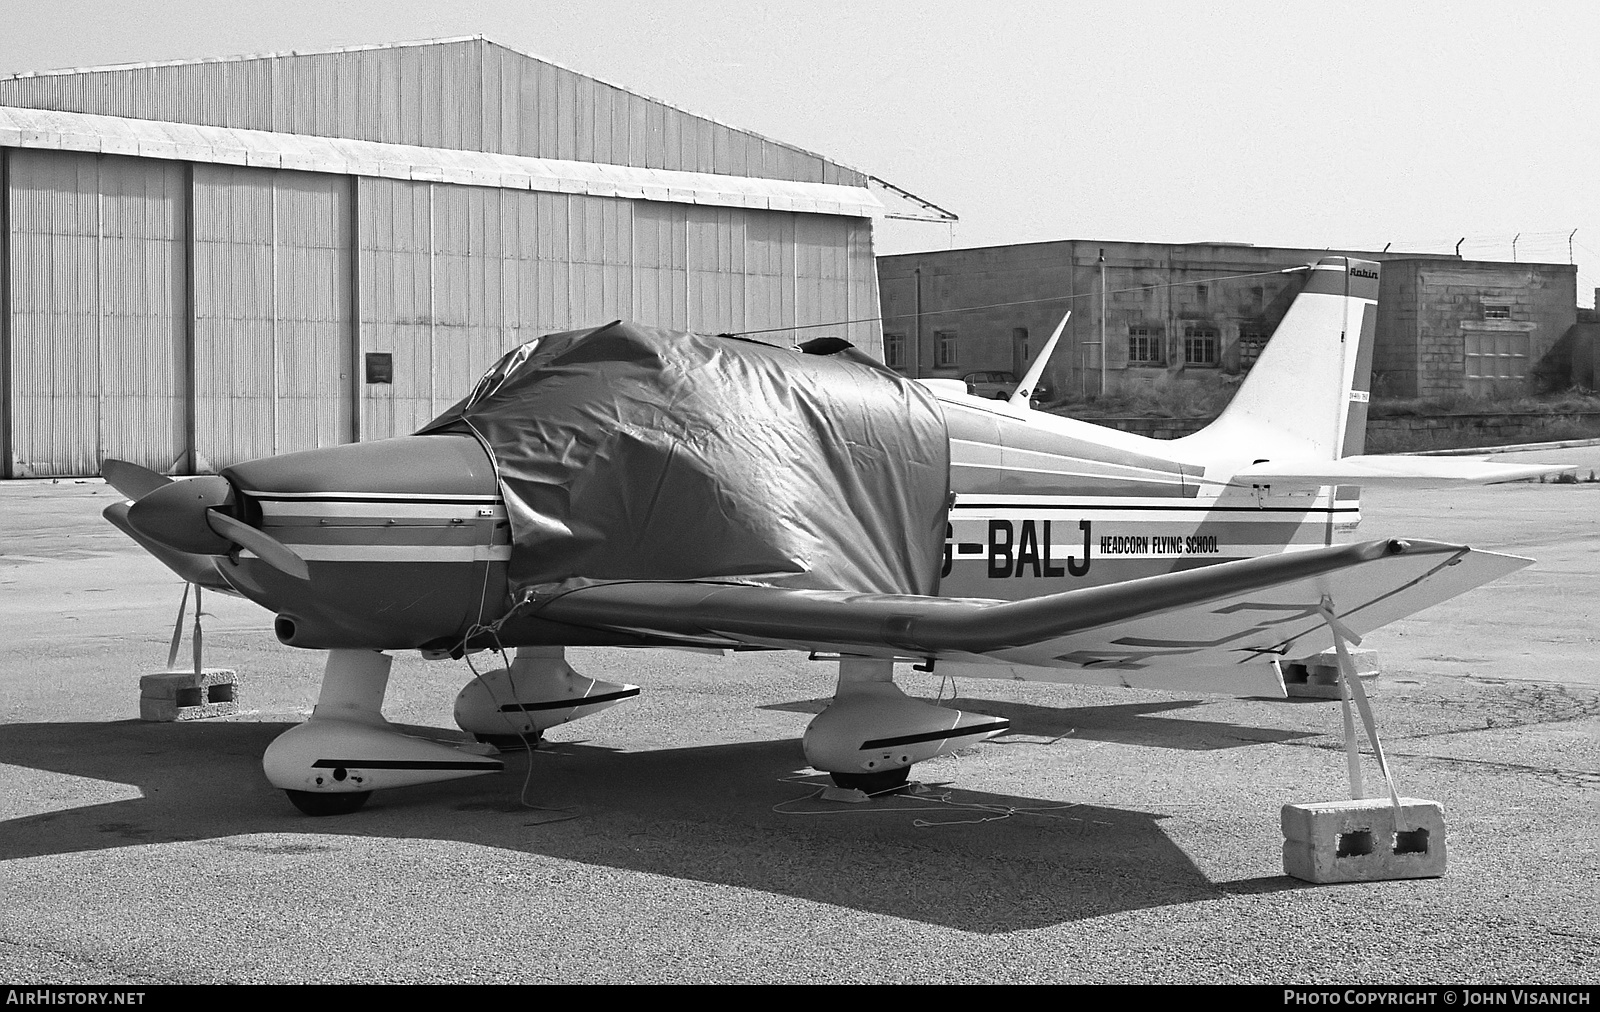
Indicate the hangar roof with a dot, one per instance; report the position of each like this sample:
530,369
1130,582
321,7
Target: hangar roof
117,135
467,94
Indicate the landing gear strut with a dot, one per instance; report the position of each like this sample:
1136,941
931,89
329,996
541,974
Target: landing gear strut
871,734
508,706
333,762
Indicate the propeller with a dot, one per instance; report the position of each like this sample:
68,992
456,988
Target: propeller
130,479
192,517
272,551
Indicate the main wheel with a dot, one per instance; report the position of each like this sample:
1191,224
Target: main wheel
873,783
319,803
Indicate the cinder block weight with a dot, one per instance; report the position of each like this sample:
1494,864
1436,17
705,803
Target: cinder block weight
1317,676
1359,841
180,695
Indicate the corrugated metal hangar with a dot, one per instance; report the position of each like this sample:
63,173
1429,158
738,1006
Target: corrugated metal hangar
213,261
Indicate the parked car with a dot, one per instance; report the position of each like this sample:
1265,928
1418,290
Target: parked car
998,385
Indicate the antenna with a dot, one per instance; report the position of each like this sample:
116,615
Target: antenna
1020,398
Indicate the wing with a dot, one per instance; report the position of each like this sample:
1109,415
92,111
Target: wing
1152,631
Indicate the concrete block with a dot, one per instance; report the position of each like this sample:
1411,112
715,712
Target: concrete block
180,695
1359,841
1317,677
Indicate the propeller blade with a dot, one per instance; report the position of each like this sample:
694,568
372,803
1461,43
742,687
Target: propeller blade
272,551
130,479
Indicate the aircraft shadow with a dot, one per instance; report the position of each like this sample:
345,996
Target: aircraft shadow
727,814
1123,723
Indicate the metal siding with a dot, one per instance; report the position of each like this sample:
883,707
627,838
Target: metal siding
491,115
652,261
863,290
311,297
326,101
821,288
233,305
97,331
55,366
672,139
471,96
640,147
546,110
510,89
274,337
435,128
467,333
396,303
567,116
8,467
353,114
705,146
388,100
454,102
605,146
584,118
526,77
767,236
143,397
655,125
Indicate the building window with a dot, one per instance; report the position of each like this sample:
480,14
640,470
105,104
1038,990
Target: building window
1200,294
1251,341
1144,346
1200,346
894,351
944,349
1496,312
1495,356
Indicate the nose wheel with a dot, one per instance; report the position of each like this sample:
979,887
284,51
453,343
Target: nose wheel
880,782
312,803
332,763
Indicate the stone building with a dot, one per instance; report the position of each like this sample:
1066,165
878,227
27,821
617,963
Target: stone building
1448,326
1203,311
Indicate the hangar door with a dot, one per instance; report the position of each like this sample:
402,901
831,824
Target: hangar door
97,343
274,342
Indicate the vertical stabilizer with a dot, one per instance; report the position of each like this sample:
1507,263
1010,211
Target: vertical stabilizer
1307,393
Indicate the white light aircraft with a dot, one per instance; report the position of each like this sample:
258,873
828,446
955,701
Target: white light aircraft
627,486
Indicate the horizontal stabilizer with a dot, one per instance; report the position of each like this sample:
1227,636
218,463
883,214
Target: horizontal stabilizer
1391,471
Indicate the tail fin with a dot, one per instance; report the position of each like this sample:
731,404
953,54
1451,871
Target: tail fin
1307,394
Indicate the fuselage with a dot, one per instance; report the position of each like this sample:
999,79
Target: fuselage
408,540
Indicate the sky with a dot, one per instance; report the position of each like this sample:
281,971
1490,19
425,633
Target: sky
1350,125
